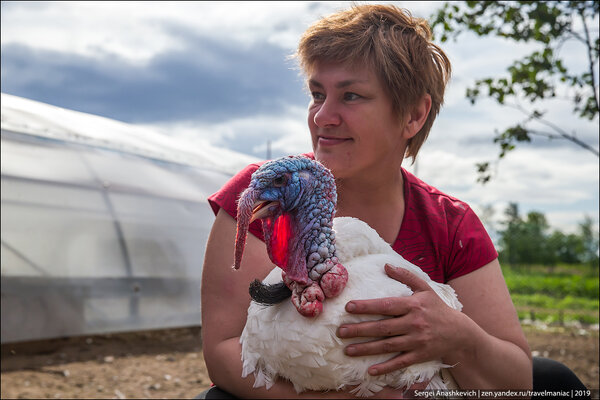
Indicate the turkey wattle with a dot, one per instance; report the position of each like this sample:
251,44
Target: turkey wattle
326,262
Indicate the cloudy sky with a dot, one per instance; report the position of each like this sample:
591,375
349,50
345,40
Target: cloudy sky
220,71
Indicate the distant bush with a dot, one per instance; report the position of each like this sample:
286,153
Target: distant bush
528,240
556,317
544,301
555,286
567,296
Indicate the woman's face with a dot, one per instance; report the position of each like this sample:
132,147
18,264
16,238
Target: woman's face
353,128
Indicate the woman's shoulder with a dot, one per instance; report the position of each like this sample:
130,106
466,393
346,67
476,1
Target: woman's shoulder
441,234
227,195
427,198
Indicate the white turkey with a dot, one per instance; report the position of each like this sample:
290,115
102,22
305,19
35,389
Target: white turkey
326,262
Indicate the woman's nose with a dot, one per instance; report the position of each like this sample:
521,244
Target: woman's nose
327,115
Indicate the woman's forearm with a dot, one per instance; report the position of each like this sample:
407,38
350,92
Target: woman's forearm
225,369
485,361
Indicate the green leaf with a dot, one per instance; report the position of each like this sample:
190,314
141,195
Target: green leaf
540,75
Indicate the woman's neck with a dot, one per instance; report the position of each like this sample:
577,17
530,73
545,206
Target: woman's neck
376,200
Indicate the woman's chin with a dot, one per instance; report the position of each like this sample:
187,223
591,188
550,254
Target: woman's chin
338,166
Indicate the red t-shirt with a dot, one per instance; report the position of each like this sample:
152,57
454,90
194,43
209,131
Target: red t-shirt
439,233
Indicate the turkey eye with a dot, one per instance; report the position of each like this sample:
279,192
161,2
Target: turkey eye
279,181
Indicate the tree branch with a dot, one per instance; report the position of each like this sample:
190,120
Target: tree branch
571,138
577,36
545,134
560,132
590,57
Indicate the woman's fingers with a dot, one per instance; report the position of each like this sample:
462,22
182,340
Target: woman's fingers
395,363
373,329
408,278
392,306
389,345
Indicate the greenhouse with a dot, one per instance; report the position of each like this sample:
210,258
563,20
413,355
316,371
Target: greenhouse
104,224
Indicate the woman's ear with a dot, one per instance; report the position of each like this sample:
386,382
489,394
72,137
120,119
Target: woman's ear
417,117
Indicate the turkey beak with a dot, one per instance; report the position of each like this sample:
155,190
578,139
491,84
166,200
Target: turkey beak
261,209
249,210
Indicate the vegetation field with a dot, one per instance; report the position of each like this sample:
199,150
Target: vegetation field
556,295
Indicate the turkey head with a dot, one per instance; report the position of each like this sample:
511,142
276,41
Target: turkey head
295,198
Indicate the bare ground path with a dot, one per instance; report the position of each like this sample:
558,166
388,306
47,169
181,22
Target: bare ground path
169,363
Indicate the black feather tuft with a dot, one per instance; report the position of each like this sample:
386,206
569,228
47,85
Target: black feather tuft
269,295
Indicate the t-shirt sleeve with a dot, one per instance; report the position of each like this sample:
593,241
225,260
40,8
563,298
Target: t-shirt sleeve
227,197
472,247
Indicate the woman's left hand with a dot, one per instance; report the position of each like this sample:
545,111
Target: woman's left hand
422,326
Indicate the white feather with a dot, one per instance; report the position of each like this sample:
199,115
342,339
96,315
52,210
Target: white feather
279,342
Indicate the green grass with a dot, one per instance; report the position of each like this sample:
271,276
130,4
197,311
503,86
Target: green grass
556,270
554,295
545,301
556,317
555,285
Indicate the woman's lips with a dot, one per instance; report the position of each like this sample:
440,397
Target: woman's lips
332,141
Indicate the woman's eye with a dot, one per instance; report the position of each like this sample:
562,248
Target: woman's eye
351,96
317,96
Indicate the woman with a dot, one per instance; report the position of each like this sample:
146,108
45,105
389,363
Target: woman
377,83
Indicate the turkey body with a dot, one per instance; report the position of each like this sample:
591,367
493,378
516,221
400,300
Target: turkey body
278,342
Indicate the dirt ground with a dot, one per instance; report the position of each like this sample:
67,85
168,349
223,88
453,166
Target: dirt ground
169,363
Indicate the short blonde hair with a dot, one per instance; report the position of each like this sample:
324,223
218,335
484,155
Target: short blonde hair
396,45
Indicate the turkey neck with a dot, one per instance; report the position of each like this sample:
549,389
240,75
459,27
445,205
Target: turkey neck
314,221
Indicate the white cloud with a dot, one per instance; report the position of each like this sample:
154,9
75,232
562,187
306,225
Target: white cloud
287,132
138,31
563,182
93,29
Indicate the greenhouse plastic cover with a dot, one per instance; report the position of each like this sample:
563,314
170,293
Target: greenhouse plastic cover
104,224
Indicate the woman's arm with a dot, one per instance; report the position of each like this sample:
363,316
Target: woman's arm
495,352
484,342
225,302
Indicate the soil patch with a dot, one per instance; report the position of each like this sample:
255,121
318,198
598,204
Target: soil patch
169,363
